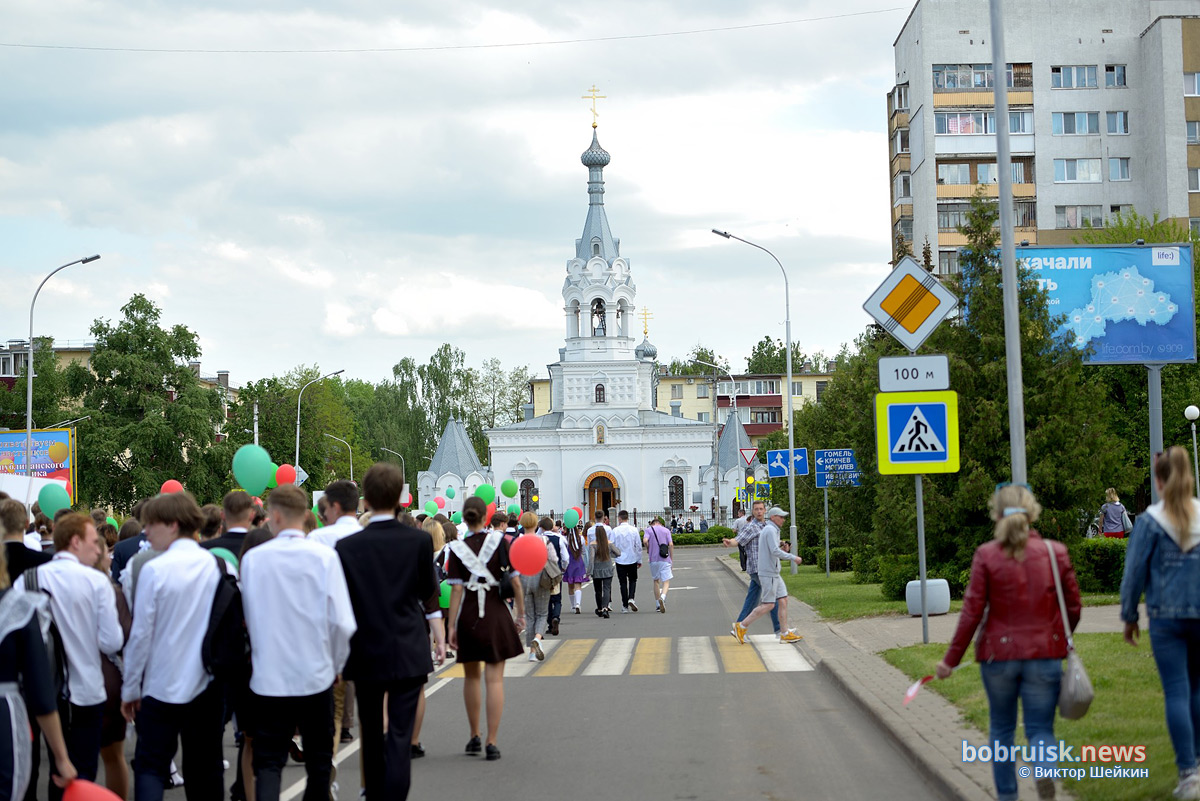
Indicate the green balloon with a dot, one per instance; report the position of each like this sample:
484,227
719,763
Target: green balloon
509,488
485,493
570,518
444,600
456,518
112,521
273,483
450,492
252,468
227,555
53,497
431,508
514,508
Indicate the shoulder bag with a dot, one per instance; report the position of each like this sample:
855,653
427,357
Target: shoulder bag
664,550
1126,523
1075,694
552,572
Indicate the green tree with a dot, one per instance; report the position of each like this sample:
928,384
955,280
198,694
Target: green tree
150,418
689,366
770,356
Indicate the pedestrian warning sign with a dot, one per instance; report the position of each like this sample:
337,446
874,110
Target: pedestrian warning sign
917,432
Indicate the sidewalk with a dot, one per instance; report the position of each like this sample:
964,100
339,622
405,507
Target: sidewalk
930,730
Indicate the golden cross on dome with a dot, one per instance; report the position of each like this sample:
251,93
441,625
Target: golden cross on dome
646,318
594,97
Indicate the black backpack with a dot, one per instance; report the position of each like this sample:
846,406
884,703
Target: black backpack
55,652
226,647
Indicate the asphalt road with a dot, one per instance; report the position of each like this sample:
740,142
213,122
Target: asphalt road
664,706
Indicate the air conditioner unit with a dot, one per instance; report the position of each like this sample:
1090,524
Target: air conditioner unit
691,381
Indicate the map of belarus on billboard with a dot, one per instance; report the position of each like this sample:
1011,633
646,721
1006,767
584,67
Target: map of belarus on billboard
1128,304
53,454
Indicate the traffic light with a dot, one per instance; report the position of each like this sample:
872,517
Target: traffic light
534,499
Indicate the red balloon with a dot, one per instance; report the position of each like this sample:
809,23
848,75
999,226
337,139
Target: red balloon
491,510
286,474
171,485
406,501
578,511
527,554
83,790
441,502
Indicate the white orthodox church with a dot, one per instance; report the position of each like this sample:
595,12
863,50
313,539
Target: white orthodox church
603,444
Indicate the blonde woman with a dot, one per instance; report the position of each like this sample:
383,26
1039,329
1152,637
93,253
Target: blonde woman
1163,559
1113,515
1022,645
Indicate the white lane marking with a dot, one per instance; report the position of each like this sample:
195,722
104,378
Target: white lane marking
612,657
696,655
521,666
779,657
343,754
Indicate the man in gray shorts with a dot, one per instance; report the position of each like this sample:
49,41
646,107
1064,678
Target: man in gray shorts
773,589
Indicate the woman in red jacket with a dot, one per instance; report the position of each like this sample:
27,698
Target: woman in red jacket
1020,649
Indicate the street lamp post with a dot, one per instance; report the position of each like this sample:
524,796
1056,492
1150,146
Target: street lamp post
347,444
403,469
299,397
29,377
787,306
1192,413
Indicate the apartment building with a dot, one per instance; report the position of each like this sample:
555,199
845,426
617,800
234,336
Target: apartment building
1104,117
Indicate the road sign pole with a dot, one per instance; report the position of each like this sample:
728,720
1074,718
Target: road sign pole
921,559
1154,390
826,532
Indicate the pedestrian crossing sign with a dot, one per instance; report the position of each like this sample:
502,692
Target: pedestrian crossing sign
917,432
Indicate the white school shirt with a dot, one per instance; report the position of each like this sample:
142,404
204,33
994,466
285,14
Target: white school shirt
174,602
343,527
84,607
298,615
33,541
629,543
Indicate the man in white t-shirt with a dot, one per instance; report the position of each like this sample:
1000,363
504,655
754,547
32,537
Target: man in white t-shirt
629,543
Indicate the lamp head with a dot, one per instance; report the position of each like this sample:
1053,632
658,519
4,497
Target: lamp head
87,259
1192,413
721,233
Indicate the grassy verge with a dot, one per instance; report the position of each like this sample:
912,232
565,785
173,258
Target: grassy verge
839,598
1128,710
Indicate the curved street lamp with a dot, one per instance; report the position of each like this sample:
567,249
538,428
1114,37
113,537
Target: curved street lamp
296,463
347,444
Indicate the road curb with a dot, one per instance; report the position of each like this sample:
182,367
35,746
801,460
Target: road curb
928,747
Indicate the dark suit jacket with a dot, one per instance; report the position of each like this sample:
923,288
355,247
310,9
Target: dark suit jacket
21,558
123,551
389,572
231,540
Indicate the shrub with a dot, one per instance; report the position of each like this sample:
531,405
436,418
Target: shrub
722,532
840,559
895,572
809,553
866,567
697,538
1099,563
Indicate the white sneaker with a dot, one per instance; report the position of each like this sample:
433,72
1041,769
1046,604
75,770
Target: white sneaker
225,764
1189,787
532,656
537,651
333,791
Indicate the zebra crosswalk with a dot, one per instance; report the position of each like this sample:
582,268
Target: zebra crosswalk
654,656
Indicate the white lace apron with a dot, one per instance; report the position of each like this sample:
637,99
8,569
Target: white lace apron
481,579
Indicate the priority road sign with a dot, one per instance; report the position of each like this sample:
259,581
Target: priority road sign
917,432
749,455
910,303
777,462
836,467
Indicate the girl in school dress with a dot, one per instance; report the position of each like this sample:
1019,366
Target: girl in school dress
576,566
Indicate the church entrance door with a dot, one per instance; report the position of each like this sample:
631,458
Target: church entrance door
601,493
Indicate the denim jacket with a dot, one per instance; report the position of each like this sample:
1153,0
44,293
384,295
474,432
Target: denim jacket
1155,562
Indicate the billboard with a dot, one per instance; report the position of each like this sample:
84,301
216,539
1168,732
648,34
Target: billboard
53,454
1130,304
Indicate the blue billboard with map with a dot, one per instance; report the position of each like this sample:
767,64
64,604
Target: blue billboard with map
1131,304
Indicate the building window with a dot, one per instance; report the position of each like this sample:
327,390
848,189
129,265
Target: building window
1020,122
952,215
1114,75
797,388
1024,214
948,262
1194,179
956,77
904,228
903,185
956,123
527,493
1080,171
1120,210
1074,77
676,391
1194,224
1191,83
764,415
1193,132
702,390
704,417
900,98
954,173
1118,122
595,248
1118,169
1075,123
600,393
675,491
821,389
598,318
900,141
1078,217
765,387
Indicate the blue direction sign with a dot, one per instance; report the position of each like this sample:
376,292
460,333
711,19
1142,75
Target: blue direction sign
777,462
836,467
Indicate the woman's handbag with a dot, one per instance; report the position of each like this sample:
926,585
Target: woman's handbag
1075,694
1126,523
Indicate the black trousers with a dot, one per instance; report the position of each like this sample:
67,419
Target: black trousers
160,727
603,590
276,719
555,610
81,729
387,759
36,762
627,577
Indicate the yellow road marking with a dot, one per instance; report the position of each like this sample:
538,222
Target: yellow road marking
739,658
566,658
652,657
455,671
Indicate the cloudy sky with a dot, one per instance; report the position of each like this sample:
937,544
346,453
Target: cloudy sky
348,209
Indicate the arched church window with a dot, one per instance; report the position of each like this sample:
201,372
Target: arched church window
675,487
600,393
595,248
597,318
600,434
527,493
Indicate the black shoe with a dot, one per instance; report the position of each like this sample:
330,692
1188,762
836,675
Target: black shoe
417,751
347,736
606,613
599,613
493,753
554,627
474,745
